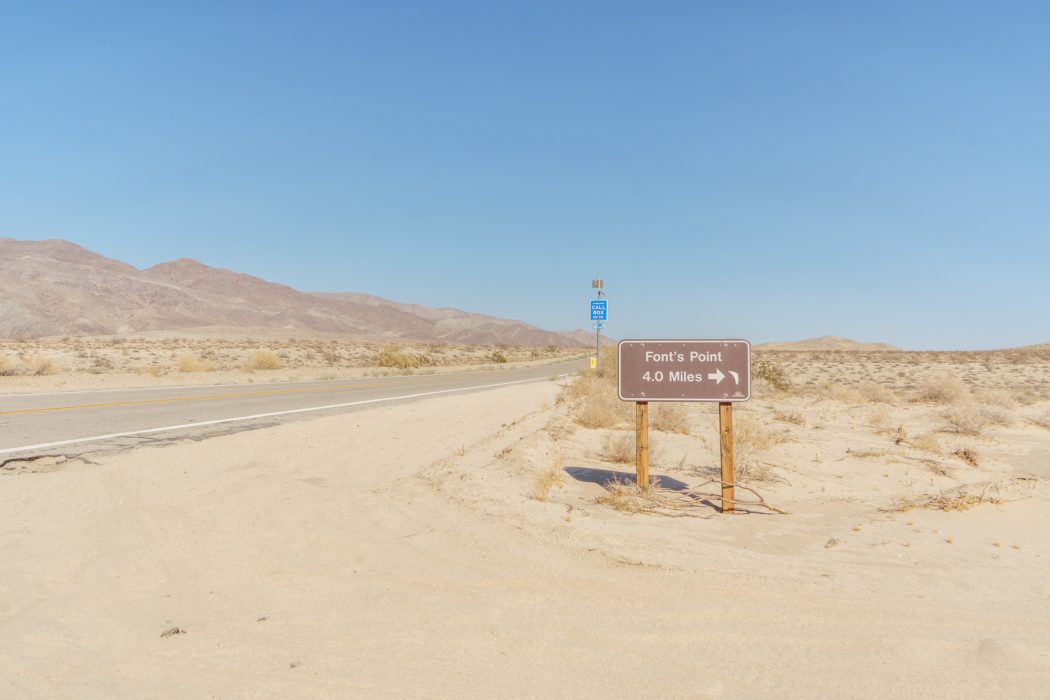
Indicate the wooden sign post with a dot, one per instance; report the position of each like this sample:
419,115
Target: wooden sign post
725,439
641,444
718,371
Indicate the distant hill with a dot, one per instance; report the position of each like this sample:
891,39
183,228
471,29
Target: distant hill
828,342
54,288
586,338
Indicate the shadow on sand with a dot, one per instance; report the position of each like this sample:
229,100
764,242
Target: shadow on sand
604,476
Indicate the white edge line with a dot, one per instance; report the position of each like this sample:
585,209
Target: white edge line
95,438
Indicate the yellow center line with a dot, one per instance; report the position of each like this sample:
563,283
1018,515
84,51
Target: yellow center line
210,397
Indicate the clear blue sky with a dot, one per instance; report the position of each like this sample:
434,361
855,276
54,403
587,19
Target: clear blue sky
767,170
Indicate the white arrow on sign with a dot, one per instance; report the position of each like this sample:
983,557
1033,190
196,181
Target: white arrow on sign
717,376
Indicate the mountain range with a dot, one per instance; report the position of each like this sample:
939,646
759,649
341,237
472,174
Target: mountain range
57,288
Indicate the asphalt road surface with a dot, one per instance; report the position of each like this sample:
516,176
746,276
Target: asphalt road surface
81,421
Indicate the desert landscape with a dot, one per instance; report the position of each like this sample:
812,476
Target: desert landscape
238,357
888,540
524,350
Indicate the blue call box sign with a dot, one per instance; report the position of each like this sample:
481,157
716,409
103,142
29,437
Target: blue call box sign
599,310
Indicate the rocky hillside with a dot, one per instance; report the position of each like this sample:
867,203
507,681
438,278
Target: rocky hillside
52,288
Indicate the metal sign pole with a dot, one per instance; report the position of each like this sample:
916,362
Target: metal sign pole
599,285
598,347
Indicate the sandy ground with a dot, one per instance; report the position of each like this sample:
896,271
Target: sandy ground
405,551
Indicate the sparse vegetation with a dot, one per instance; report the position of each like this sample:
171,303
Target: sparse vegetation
498,357
187,362
965,419
997,397
548,479
873,392
794,418
263,360
750,440
625,496
997,416
960,498
670,418
393,356
6,366
841,392
619,449
926,443
597,404
967,454
943,388
772,373
901,436
41,365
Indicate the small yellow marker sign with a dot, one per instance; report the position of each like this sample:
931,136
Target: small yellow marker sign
594,362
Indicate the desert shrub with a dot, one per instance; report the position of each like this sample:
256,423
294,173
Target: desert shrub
548,479
186,362
965,419
600,411
498,357
876,393
670,418
609,365
926,443
41,365
943,388
997,397
750,440
597,404
393,356
263,359
997,416
957,499
793,418
619,449
771,373
6,366
967,454
840,392
1026,396
625,496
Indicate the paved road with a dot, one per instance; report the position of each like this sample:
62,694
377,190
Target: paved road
75,422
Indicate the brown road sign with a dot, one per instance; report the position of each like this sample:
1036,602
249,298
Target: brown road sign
685,370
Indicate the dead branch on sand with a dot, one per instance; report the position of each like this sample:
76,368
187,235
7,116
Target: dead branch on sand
625,496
